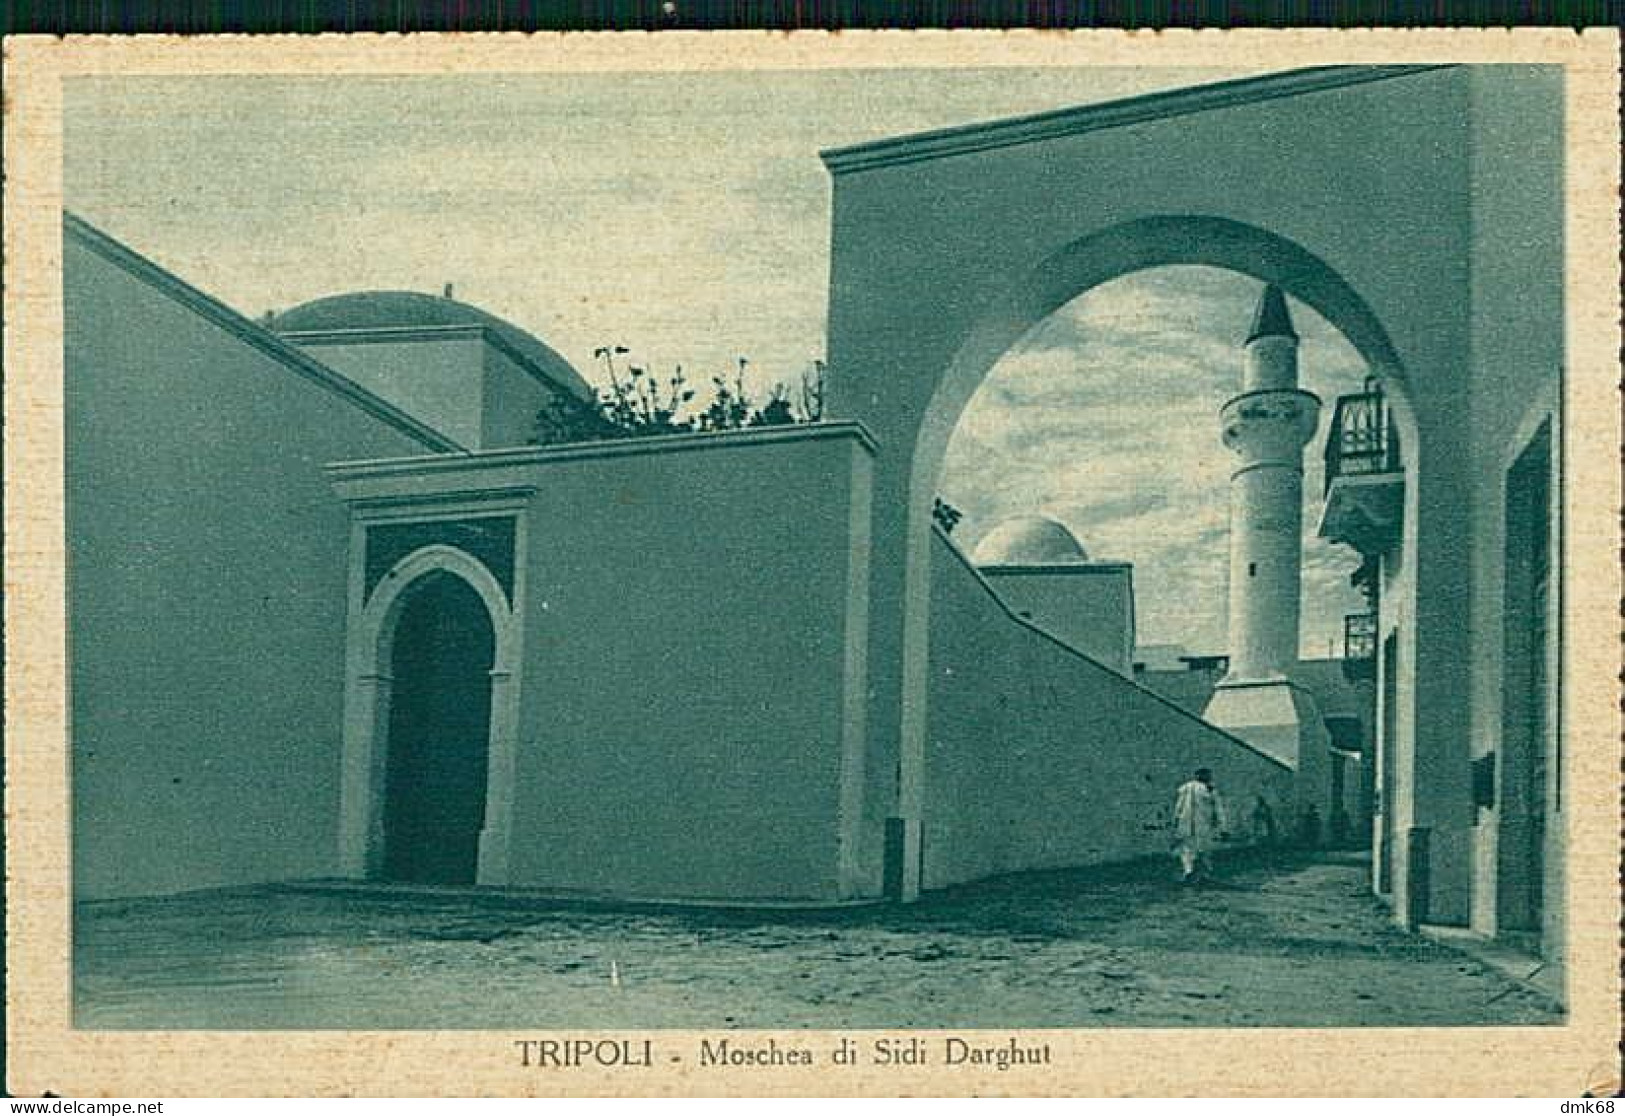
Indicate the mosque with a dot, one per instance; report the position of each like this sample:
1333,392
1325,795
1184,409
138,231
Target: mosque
332,616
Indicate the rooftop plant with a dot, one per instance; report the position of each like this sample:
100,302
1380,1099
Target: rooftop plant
641,403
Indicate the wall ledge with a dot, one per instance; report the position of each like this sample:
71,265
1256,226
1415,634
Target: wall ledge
947,142
384,335
587,451
1067,569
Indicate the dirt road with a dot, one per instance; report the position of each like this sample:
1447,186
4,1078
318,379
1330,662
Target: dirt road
1296,944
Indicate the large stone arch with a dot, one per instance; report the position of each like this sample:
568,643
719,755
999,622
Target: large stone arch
367,703
949,246
1154,241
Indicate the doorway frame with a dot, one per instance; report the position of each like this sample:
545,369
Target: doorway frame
368,684
1530,827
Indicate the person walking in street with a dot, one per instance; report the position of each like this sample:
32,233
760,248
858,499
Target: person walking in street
1199,824
1265,833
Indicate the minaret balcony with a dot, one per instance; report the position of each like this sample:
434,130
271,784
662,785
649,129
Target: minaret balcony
1365,482
1270,421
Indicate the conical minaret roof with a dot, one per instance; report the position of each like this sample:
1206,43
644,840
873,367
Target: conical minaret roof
1271,319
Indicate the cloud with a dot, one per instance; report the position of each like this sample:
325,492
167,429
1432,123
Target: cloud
685,215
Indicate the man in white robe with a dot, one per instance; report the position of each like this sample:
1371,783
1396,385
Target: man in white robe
1199,823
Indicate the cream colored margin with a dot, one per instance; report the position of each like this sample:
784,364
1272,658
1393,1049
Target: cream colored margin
46,1054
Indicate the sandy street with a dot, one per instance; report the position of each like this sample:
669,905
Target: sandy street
1294,944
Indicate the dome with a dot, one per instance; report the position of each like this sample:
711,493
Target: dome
1029,540
409,309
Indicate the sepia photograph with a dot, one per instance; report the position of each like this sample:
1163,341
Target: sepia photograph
931,558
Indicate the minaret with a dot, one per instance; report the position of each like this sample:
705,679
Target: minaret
1267,426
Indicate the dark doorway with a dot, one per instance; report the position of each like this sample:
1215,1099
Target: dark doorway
439,726
1339,820
1527,680
1386,760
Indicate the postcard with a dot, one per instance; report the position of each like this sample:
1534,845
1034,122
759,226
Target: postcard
997,563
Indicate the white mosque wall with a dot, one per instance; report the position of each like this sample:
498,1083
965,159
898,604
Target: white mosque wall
206,560
1088,607
691,720
434,374
1040,757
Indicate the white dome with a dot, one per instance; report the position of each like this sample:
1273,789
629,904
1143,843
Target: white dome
1029,540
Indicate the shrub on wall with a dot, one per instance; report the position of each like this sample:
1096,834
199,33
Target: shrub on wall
639,404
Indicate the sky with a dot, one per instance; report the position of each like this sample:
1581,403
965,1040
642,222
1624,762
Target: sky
686,217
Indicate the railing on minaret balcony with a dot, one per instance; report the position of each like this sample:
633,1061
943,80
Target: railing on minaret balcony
1360,645
1362,439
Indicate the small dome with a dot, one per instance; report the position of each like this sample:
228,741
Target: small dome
409,309
1029,540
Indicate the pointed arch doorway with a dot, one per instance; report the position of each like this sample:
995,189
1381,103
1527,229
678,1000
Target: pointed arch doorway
431,710
437,746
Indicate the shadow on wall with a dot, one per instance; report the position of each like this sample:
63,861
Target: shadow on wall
1039,757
